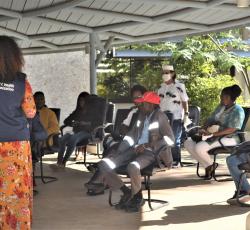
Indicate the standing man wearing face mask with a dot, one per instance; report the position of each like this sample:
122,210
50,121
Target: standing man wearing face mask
174,100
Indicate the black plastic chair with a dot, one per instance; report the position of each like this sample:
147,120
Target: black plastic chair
44,148
97,109
146,173
113,130
57,111
98,136
226,150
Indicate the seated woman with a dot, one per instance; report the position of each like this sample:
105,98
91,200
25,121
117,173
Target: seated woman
81,131
229,117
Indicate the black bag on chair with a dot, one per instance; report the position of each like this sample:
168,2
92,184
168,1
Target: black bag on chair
196,138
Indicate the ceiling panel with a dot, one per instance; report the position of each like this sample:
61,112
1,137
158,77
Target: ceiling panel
32,26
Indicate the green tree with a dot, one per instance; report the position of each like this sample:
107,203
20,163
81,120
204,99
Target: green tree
201,62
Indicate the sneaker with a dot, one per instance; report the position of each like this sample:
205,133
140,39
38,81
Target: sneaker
243,197
123,201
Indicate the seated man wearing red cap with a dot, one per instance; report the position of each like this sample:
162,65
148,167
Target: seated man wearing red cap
139,148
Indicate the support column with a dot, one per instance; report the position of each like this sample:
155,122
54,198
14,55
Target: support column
92,56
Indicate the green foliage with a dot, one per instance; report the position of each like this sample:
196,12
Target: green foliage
205,92
114,84
148,77
202,61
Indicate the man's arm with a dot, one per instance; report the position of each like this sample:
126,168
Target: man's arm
166,130
53,126
185,107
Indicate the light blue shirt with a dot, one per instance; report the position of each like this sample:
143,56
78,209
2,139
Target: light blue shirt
144,138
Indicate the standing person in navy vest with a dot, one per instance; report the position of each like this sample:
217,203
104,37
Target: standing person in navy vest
17,104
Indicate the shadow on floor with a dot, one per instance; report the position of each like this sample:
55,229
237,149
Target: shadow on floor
196,213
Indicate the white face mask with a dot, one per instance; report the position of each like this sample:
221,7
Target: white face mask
166,77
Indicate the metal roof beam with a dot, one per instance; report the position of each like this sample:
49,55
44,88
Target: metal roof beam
54,34
98,43
107,45
26,38
10,13
121,36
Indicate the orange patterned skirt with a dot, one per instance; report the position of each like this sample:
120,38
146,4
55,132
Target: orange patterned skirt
15,185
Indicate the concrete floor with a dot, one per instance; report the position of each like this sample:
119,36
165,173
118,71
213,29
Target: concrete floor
193,204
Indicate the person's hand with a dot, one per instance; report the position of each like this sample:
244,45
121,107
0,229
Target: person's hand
204,132
140,149
206,137
186,121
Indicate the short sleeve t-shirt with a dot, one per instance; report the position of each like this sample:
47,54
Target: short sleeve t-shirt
228,118
172,97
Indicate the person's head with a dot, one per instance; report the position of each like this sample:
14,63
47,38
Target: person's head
168,73
137,91
150,101
11,59
81,100
230,94
39,99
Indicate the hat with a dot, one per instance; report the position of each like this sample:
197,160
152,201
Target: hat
150,97
167,67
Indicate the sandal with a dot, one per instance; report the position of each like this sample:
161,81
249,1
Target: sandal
210,170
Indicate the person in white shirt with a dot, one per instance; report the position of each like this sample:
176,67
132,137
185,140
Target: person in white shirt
174,100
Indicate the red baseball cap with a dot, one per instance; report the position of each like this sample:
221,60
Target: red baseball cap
150,97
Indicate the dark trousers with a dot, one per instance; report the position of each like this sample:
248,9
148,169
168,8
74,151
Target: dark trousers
177,130
70,141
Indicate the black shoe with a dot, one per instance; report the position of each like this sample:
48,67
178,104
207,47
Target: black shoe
176,164
243,197
123,201
135,204
95,189
210,170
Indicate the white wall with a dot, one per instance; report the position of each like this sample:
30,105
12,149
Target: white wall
61,76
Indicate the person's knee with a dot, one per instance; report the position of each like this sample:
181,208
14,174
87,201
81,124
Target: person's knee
230,161
133,168
106,164
200,148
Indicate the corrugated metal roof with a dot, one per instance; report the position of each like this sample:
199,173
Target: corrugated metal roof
58,25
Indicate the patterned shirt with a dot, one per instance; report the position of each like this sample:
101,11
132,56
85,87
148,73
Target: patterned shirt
172,96
228,118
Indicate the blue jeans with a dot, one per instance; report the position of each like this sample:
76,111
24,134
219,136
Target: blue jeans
70,140
233,162
177,130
